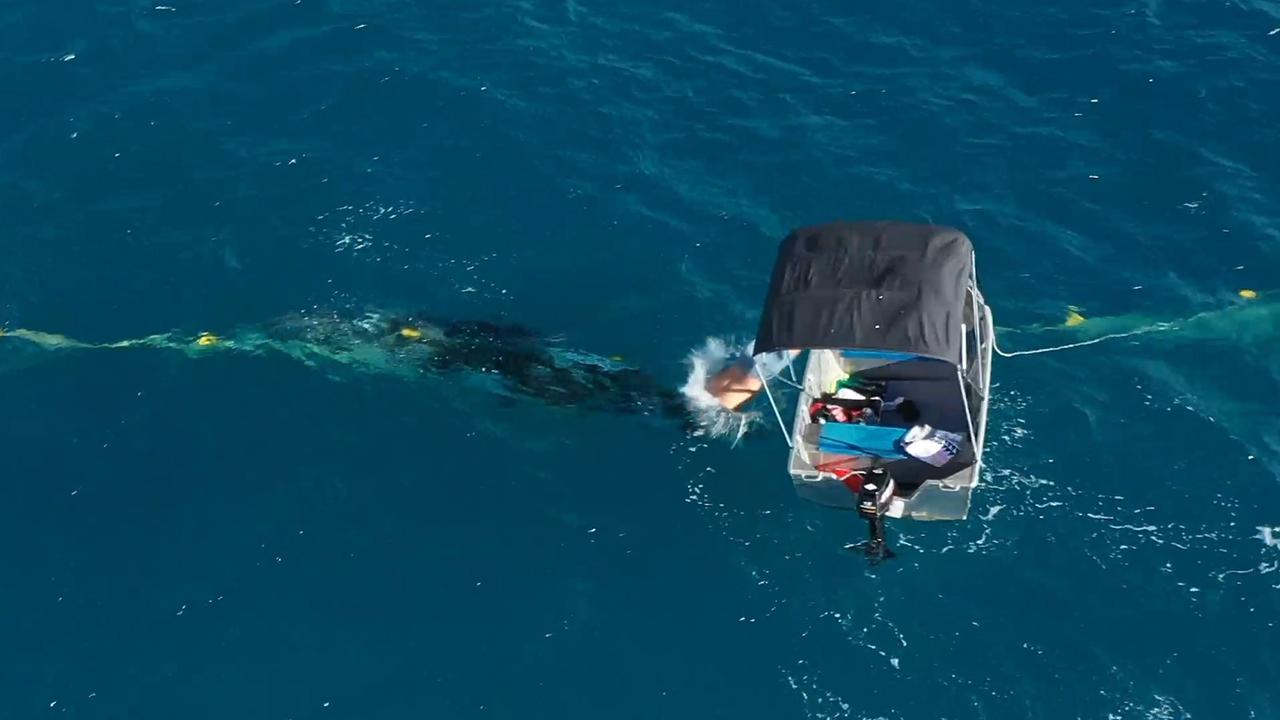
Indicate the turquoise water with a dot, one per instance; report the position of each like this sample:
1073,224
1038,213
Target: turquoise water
241,536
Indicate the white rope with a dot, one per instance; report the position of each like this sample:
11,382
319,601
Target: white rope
1114,336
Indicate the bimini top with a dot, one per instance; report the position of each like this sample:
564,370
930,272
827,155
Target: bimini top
876,285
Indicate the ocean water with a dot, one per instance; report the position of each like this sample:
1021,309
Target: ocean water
221,535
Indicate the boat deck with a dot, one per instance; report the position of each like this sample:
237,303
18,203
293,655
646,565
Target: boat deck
930,385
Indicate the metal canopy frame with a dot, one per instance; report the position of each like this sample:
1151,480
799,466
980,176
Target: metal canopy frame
964,378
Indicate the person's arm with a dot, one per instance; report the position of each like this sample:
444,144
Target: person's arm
737,383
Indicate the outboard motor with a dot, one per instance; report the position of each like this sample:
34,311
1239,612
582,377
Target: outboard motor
873,503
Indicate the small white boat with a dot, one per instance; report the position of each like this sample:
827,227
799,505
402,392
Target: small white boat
895,341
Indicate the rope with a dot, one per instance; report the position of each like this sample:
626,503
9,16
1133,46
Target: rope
1114,336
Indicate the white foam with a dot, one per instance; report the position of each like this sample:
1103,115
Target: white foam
1270,536
818,702
714,419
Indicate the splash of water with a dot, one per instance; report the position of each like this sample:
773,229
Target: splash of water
713,418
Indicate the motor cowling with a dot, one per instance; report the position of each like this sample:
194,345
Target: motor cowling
876,494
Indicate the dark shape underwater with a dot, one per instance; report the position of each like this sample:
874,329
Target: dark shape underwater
527,363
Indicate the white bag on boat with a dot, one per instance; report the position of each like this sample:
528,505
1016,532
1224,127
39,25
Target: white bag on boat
936,447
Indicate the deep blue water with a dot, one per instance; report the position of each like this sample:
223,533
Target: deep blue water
247,537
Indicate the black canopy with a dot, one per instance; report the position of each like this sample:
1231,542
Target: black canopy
878,285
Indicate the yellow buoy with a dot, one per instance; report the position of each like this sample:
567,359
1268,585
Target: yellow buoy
1074,317
410,333
207,339
1248,294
